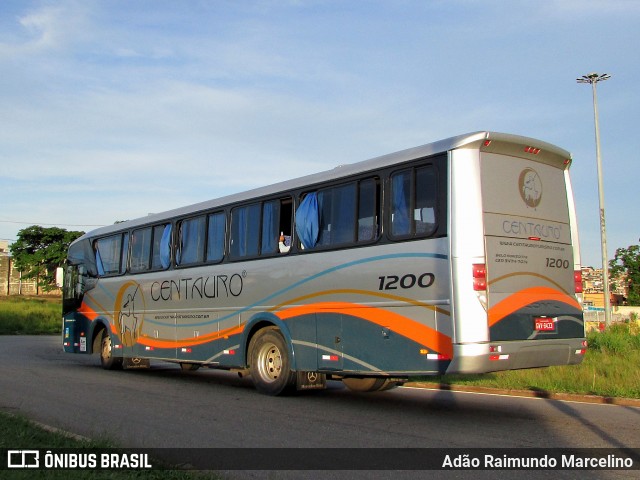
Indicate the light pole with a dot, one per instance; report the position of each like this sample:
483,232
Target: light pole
592,79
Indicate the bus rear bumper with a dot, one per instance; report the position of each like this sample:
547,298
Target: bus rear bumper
496,356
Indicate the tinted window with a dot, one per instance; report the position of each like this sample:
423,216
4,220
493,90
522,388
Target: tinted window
337,207
270,231
140,259
338,216
150,248
215,237
368,210
190,248
413,202
245,231
161,246
108,255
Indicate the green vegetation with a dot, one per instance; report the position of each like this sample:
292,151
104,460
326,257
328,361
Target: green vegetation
39,251
625,268
610,369
19,433
30,315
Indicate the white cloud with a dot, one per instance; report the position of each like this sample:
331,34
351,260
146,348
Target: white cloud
45,29
142,106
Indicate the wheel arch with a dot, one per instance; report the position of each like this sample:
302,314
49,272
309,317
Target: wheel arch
266,320
97,327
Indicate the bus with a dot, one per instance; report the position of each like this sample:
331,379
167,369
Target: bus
459,256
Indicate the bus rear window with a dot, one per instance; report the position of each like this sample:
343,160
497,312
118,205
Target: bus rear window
413,202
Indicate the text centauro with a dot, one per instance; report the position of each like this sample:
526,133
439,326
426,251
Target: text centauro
212,286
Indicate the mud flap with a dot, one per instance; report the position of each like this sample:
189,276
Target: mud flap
311,381
130,363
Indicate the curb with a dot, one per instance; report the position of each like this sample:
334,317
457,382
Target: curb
570,397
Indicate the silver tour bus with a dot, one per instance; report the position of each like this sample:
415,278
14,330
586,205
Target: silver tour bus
460,256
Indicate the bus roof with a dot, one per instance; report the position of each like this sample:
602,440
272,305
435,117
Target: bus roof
469,140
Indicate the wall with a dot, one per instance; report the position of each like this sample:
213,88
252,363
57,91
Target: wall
12,284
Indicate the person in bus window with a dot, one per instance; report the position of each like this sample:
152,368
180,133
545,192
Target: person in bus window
284,243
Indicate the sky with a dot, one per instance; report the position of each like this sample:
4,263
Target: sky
113,109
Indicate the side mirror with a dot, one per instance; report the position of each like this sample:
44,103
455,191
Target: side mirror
82,273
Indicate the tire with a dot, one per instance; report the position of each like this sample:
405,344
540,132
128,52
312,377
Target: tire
369,384
269,363
107,360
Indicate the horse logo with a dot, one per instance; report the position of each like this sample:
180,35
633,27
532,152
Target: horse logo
530,187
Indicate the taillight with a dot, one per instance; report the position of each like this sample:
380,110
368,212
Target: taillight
479,277
532,150
577,280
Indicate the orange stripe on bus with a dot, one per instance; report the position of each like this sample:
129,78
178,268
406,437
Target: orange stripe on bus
188,342
404,326
526,297
88,312
351,291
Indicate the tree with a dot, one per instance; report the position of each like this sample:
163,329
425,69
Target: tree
39,251
626,264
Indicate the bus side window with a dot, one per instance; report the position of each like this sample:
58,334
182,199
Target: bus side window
425,203
125,252
308,221
400,203
368,208
245,231
108,255
285,225
270,224
413,202
140,259
337,215
216,235
190,244
161,246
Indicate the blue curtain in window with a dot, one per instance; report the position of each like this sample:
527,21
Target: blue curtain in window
165,247
307,221
270,234
215,247
191,241
240,225
401,218
99,262
124,253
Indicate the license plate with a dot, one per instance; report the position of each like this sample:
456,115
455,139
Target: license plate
545,324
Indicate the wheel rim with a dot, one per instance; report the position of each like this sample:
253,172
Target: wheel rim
106,348
269,362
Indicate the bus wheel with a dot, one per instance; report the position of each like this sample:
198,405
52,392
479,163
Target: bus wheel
369,384
107,360
269,362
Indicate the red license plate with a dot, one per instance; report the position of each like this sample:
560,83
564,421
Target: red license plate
545,324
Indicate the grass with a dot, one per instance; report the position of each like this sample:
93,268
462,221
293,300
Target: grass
30,315
610,369
19,433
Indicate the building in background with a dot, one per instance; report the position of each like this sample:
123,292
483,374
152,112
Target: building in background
11,281
593,289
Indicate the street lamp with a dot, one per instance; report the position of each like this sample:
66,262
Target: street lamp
592,79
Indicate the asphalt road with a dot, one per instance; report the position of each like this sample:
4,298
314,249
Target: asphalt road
165,407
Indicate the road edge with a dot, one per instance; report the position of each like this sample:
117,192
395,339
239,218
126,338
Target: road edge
570,397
